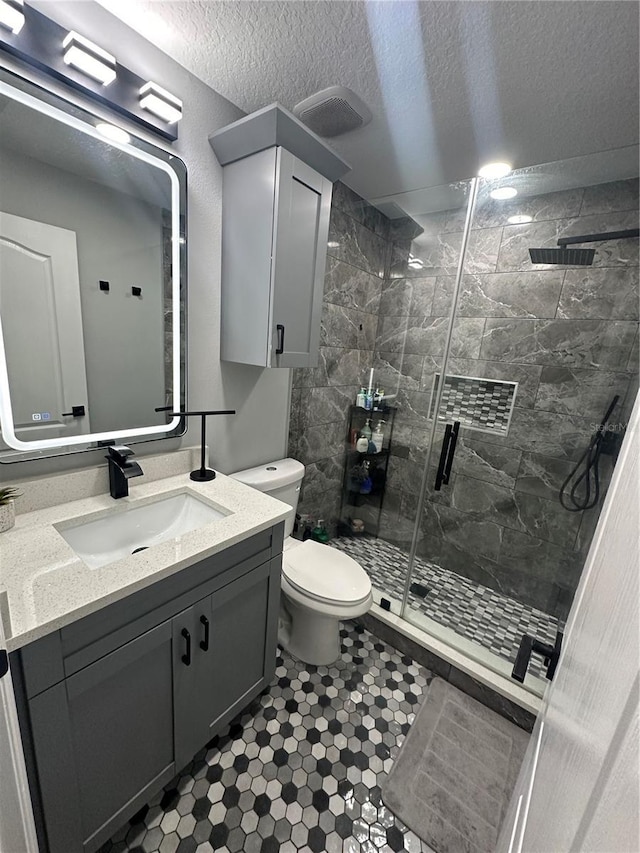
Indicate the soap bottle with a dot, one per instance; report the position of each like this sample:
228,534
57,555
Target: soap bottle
378,436
366,431
361,398
319,532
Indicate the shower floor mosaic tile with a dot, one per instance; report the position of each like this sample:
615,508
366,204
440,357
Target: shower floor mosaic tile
300,769
474,611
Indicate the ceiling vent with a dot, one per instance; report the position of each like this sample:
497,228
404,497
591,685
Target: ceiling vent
333,111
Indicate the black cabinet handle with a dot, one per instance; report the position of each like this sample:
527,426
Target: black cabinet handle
452,452
280,334
76,412
529,645
186,657
443,458
204,644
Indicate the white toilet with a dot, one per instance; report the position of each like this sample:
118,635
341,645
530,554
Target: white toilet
320,585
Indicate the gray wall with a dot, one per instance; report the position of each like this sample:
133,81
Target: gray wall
258,432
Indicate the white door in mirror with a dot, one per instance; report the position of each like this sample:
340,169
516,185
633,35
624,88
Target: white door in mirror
40,292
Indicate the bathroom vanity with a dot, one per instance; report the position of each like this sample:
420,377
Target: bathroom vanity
123,672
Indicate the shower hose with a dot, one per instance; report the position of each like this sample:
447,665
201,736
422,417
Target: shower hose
581,489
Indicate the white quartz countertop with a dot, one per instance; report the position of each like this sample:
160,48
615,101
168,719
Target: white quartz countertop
44,585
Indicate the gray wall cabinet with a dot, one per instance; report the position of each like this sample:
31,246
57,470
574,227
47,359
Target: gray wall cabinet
277,183
116,704
275,224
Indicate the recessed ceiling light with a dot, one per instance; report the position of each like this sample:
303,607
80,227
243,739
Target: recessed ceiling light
493,171
12,15
115,134
502,193
520,219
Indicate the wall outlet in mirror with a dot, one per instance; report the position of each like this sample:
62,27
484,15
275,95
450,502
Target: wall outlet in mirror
82,216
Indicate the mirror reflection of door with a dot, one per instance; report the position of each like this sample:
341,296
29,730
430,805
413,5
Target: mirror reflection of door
40,293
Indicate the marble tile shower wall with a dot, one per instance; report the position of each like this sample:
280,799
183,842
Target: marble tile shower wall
361,243
568,336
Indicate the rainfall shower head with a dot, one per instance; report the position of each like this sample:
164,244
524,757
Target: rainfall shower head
577,257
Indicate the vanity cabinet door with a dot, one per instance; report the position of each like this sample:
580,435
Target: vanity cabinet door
242,646
103,741
192,667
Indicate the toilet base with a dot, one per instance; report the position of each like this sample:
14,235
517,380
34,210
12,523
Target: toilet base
312,636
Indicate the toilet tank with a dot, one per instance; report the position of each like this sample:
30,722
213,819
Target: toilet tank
281,480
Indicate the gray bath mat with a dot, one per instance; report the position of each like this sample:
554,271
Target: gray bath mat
455,772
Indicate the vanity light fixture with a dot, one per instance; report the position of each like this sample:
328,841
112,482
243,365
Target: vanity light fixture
113,133
333,244
12,15
89,58
493,171
415,263
520,219
161,103
40,42
503,193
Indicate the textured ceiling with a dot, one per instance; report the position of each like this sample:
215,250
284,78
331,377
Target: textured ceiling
451,84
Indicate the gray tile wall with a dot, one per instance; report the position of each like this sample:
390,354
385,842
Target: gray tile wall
361,241
567,336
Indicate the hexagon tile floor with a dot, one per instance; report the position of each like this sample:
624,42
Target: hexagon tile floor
300,769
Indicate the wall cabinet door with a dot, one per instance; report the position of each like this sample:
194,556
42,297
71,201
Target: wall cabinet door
103,741
274,245
303,203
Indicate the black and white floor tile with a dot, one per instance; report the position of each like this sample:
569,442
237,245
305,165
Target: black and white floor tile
300,769
476,612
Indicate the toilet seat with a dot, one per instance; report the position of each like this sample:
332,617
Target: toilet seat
325,574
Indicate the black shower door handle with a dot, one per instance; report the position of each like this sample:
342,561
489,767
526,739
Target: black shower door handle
443,458
280,334
453,441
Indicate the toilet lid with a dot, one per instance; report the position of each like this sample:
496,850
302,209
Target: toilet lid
325,573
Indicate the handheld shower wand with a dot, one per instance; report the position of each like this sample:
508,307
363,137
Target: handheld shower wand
572,501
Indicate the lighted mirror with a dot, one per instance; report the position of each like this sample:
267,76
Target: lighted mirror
92,280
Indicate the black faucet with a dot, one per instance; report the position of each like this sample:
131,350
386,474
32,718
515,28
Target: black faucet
120,469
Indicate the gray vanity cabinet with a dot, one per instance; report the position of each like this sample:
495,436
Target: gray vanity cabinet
274,244
111,708
103,738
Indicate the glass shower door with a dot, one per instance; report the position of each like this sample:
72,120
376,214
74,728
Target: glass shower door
535,357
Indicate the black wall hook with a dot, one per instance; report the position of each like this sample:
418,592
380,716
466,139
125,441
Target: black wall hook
201,474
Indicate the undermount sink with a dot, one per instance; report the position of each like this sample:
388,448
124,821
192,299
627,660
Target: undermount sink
137,528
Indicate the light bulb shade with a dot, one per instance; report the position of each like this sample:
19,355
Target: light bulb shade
503,193
87,57
493,171
12,15
161,103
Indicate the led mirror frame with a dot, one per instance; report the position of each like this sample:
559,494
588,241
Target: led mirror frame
6,410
